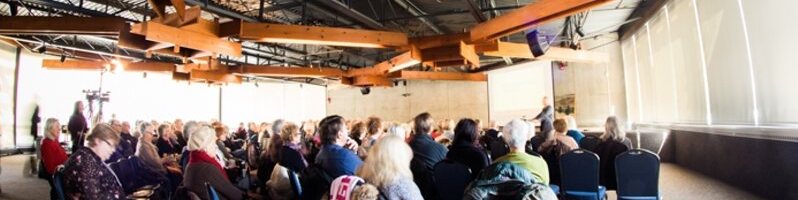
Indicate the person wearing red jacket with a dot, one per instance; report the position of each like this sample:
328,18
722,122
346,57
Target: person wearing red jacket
52,153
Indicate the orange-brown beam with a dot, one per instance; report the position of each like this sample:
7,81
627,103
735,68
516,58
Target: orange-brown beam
259,70
61,25
189,39
298,34
214,76
529,16
450,76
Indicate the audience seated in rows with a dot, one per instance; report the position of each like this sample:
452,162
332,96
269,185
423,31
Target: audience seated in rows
465,149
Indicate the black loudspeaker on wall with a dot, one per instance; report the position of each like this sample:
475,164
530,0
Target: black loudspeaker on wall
365,90
538,43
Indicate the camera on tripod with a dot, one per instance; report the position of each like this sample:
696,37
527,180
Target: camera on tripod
95,95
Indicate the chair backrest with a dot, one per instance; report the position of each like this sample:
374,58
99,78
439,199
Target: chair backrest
296,186
451,179
589,142
579,171
637,173
58,182
498,149
212,194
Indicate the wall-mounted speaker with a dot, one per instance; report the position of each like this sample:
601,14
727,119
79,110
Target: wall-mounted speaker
365,90
538,43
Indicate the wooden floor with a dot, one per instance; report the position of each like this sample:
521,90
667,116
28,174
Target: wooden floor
676,183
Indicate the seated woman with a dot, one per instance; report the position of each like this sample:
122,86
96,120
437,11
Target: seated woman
51,152
203,168
289,159
167,144
388,168
556,143
465,149
85,174
517,132
613,143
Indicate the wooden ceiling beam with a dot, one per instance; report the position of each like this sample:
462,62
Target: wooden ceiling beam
73,65
178,19
215,76
449,76
371,81
298,34
261,70
110,26
145,66
530,16
165,34
426,42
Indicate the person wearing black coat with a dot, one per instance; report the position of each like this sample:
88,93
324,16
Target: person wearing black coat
77,126
464,148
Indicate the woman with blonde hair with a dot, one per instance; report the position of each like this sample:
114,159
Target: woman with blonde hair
613,143
52,153
387,168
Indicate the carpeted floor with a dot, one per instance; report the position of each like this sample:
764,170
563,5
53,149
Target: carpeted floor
676,183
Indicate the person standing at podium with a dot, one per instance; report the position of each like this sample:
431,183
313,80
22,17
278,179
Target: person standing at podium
546,116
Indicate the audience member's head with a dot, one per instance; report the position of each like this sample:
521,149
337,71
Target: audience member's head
146,127
116,125
388,160
221,135
560,125
102,140
166,131
203,139
291,134
178,125
189,128
515,134
333,130
423,123
125,127
466,132
52,129
613,130
398,130
358,130
277,126
374,126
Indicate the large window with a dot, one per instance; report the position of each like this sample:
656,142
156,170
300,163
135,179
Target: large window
714,62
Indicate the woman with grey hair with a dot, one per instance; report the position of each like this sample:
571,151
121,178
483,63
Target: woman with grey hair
516,133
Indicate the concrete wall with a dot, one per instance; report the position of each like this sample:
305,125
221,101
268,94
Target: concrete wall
598,88
442,99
